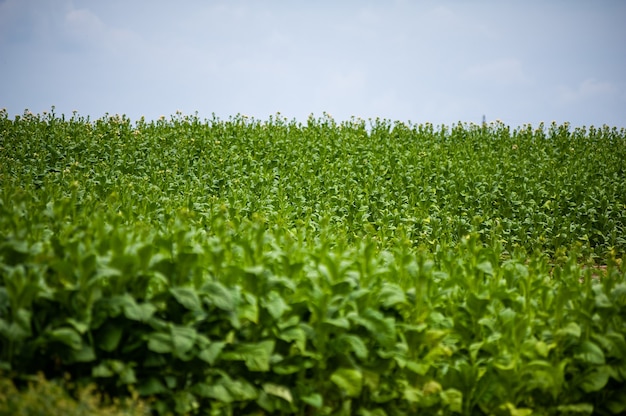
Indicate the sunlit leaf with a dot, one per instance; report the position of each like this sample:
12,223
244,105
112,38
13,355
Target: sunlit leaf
350,381
576,409
315,400
486,267
279,391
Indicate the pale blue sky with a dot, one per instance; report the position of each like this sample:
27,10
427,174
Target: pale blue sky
421,61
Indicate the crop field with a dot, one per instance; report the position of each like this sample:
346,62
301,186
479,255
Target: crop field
367,267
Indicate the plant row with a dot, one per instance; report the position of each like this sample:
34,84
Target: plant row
542,189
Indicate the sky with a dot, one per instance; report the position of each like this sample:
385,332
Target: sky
440,62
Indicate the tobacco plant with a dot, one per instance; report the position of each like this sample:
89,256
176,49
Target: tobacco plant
275,267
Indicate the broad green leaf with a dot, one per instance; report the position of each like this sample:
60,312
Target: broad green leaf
226,390
602,301
420,368
352,343
613,343
187,297
284,367
19,329
14,251
474,349
431,387
219,296
109,336
5,301
81,327
185,402
154,360
510,409
151,386
595,379
355,294
85,355
275,304
211,353
279,391
542,348
412,394
127,376
489,321
375,412
183,340
171,381
160,342
454,400
434,336
542,380
203,389
67,336
486,267
371,379
22,320
507,315
115,305
340,322
617,403
477,303
249,310
102,371
505,362
104,272
581,409
314,399
572,329
138,312
255,355
590,353
391,295
349,380
241,390
268,402
294,334
618,294
214,391
254,270
381,328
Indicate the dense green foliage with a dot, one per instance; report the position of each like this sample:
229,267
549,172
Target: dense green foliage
240,266
45,398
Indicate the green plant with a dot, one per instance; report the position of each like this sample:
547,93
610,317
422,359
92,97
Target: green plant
271,267
42,397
